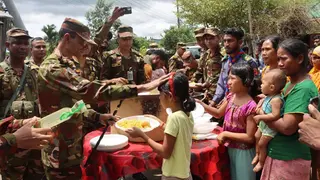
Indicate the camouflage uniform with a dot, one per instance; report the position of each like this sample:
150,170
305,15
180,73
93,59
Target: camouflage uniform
210,66
61,85
176,62
115,65
24,164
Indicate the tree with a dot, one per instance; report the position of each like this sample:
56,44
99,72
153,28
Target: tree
174,35
97,16
269,16
52,37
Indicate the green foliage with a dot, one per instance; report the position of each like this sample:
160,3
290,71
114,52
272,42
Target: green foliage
52,37
96,17
174,35
269,16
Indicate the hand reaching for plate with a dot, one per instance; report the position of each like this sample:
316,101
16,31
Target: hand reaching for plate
135,132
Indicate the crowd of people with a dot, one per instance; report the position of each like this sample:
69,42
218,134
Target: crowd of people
269,124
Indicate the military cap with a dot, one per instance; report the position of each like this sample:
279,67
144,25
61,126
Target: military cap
153,45
316,51
17,32
212,31
125,31
199,32
181,45
79,28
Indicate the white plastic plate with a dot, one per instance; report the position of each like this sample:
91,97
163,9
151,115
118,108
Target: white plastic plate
153,123
110,142
198,112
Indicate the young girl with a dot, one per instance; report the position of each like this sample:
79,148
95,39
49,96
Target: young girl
239,126
272,109
176,146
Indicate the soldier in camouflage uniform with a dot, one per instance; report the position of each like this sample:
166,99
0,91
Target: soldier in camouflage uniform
210,64
24,164
198,33
176,61
61,85
116,63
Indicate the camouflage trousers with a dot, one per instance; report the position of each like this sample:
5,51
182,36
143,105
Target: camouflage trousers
23,165
71,173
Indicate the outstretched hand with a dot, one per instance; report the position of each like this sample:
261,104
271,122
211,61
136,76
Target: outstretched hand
117,12
28,137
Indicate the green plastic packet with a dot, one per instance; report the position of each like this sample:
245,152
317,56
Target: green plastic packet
62,115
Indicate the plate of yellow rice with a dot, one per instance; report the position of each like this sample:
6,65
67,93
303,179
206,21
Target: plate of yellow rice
146,124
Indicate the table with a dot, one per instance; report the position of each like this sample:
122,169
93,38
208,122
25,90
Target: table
209,161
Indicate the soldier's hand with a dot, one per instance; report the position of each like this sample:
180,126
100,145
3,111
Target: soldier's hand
120,81
108,119
117,12
28,137
153,84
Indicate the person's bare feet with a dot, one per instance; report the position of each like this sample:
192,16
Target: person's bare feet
258,167
255,159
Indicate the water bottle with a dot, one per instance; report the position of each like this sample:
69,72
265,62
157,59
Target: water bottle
130,76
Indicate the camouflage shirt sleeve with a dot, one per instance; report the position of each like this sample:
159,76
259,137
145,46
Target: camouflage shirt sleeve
106,66
59,77
172,64
214,69
199,72
8,145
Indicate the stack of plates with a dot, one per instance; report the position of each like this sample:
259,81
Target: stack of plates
110,142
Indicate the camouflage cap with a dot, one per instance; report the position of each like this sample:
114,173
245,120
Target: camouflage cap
17,32
153,45
181,45
199,32
125,31
79,28
316,51
212,31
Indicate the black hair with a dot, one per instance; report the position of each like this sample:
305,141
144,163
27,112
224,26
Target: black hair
316,37
296,48
245,72
235,32
275,41
62,32
181,91
36,39
163,56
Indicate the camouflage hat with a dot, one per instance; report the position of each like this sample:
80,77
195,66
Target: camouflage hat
125,31
316,51
153,45
212,31
181,45
17,32
79,28
199,32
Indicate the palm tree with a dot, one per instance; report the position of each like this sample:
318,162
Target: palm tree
52,37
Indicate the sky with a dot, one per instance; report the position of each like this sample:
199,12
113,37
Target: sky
149,18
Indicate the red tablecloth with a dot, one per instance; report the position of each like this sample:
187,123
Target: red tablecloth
209,161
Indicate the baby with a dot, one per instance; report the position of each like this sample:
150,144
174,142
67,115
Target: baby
272,109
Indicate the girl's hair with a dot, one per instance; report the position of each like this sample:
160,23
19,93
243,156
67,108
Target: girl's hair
178,85
245,72
296,48
274,39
